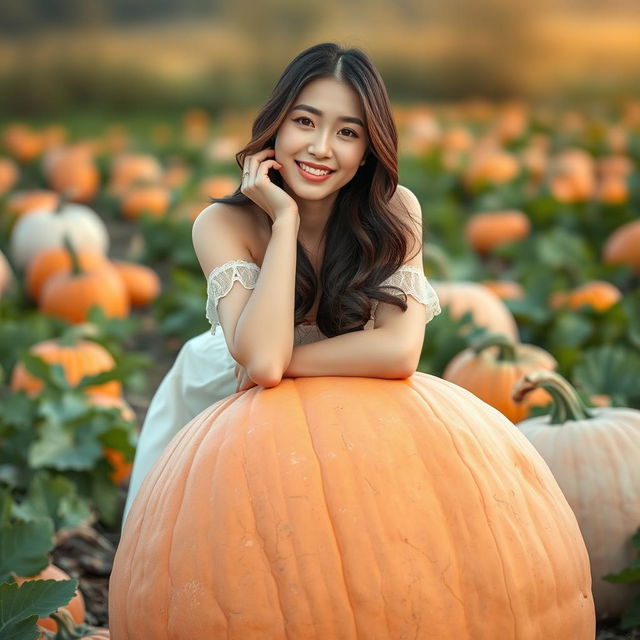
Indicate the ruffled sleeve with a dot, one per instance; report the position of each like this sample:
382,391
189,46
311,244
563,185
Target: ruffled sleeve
412,281
220,281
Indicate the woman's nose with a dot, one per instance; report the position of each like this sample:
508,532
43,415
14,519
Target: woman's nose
320,145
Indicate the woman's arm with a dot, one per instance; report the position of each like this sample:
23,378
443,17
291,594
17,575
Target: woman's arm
392,348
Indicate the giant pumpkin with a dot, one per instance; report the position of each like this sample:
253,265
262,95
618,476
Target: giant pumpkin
351,508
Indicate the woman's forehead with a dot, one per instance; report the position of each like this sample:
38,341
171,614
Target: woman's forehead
332,97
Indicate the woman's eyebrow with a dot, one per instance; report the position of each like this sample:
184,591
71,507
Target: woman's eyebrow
317,112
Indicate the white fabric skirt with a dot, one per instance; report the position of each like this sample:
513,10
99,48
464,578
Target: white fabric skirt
202,374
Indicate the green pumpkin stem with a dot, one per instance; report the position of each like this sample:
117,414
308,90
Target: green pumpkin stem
567,404
506,347
67,628
437,259
76,269
65,198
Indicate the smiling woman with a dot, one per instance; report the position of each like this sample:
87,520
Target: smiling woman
314,264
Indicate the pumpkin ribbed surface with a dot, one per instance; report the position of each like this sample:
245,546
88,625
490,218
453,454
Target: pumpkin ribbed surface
351,508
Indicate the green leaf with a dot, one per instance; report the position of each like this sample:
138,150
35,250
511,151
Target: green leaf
631,617
52,374
105,494
610,370
55,497
25,547
23,605
18,411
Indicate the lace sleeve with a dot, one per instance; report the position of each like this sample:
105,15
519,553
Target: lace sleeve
220,281
412,281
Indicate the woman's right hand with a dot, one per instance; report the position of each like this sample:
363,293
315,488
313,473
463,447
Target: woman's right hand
257,186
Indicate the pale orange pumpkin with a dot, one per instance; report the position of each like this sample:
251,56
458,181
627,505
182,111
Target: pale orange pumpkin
73,172
142,282
505,289
492,365
217,186
491,167
78,358
593,454
75,607
130,169
484,231
622,246
340,507
22,142
486,308
24,202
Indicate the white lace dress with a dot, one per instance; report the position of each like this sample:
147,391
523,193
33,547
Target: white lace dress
203,372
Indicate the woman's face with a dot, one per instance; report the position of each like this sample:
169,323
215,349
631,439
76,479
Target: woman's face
323,140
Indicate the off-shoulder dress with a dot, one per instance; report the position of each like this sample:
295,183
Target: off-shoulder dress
203,372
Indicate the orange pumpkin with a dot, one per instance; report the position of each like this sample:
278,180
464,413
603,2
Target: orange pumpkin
72,172
129,169
621,247
142,282
69,630
76,605
487,230
491,166
597,294
593,454
492,365
57,260
141,200
613,190
9,175
340,507
78,358
72,295
22,142
217,186
23,202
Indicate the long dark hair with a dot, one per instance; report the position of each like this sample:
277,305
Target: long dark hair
365,241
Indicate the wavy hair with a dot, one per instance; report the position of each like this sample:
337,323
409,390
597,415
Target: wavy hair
365,240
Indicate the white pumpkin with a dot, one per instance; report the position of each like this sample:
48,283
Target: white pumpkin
45,229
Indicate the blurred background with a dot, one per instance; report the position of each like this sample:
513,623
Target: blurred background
108,55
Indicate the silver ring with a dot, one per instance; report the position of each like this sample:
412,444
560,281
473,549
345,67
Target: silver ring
245,174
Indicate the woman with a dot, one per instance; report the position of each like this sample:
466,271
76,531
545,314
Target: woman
314,265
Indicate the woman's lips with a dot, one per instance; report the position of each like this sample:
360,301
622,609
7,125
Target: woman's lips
312,177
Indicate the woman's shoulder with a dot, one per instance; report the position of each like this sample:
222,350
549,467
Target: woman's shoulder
404,201
246,224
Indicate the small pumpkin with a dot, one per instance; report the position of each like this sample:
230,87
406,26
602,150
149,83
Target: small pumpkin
75,607
487,230
217,186
593,454
9,175
152,200
505,289
597,294
142,282
46,228
58,260
71,295
492,365
129,169
491,167
23,202
22,142
77,357
69,630
73,172
383,489
621,247
613,190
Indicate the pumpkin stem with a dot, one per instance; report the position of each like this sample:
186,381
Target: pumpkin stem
63,200
76,269
506,347
67,628
567,404
437,259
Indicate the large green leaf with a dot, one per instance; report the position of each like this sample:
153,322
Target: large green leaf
23,605
25,547
55,497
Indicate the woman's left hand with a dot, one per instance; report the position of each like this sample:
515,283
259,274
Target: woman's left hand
244,382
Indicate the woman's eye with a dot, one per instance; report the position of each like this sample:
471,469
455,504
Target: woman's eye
304,121
349,133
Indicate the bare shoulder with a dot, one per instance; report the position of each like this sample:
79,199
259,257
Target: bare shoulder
405,202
